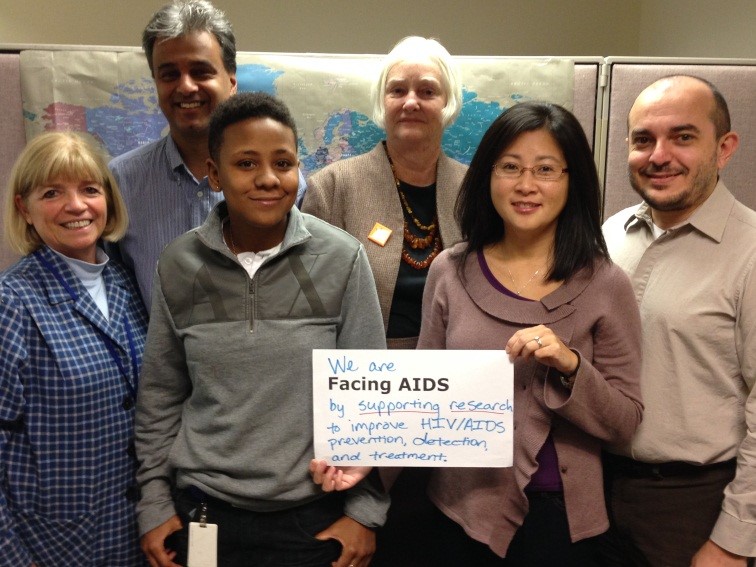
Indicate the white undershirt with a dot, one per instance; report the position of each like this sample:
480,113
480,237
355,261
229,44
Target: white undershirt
91,276
657,231
252,261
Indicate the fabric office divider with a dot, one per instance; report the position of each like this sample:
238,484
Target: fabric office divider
13,137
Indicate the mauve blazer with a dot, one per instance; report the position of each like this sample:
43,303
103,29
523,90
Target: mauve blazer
355,193
594,313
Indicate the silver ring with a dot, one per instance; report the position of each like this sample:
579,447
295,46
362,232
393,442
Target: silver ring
537,339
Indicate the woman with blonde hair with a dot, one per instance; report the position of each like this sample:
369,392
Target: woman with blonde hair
73,334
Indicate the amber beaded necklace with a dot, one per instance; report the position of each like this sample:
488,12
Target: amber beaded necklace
413,241
432,226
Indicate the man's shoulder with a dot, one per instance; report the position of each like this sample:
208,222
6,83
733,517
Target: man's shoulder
137,157
620,218
626,247
744,215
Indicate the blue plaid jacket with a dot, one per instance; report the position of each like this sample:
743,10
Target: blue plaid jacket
67,416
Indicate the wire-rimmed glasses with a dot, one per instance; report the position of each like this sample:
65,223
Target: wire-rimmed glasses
544,172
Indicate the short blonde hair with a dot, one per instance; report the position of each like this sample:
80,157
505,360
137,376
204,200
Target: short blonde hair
50,157
411,48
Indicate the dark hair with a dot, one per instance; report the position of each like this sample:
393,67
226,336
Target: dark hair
183,17
578,240
243,106
720,114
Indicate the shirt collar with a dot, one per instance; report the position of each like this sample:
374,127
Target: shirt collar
709,219
177,162
211,231
174,156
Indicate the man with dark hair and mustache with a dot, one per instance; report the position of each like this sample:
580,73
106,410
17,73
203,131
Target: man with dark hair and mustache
683,492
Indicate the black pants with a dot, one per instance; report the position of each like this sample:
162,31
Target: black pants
257,539
433,540
661,518
410,528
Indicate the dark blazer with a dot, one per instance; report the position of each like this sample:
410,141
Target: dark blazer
355,193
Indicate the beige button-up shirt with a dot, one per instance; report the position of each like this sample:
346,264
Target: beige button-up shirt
696,289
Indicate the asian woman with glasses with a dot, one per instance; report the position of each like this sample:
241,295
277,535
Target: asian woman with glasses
533,277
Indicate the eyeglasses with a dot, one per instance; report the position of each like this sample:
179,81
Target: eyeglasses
511,170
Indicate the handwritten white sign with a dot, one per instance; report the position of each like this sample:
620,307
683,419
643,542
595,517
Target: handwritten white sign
427,408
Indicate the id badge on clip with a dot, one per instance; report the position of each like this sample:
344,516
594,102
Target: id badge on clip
203,543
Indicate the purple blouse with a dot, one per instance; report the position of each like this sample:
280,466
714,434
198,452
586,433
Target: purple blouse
546,478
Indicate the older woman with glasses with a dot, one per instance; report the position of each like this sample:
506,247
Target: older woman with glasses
533,277
73,331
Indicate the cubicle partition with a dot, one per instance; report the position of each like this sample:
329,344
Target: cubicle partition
12,136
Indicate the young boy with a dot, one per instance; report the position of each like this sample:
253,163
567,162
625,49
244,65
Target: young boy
224,418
